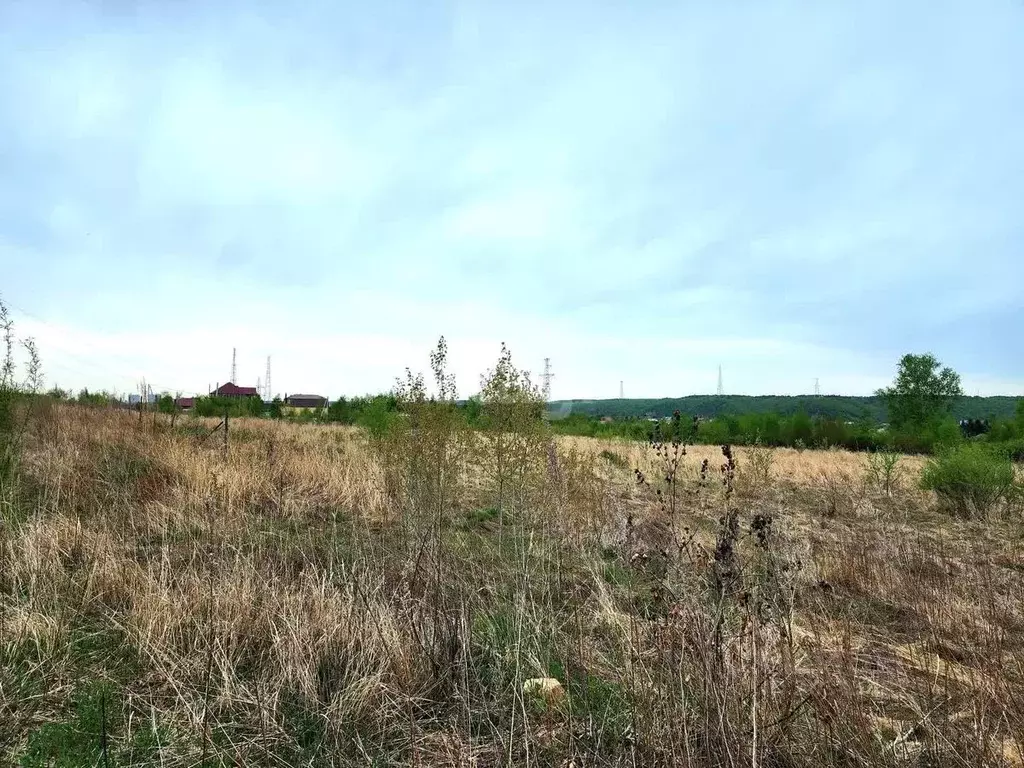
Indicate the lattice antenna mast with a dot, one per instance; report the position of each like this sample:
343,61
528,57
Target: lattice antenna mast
721,390
234,366
546,379
266,381
817,388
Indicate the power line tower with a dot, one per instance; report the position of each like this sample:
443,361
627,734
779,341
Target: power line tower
546,379
721,390
266,381
817,389
234,366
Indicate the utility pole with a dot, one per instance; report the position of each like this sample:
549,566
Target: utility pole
721,389
266,382
234,366
546,378
622,391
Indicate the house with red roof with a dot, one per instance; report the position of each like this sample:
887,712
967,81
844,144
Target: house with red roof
232,390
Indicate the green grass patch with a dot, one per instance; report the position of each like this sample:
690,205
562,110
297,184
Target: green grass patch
614,459
480,517
92,733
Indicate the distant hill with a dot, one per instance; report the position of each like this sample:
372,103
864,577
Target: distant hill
846,408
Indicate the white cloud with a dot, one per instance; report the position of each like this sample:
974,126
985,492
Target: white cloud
791,191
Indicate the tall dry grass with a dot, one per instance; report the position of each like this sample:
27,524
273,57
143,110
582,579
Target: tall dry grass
316,597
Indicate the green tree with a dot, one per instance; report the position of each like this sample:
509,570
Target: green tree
801,428
275,408
85,397
923,392
473,410
253,407
341,411
165,404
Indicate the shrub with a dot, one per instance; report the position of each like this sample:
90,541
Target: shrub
377,415
14,393
1013,449
970,479
884,471
760,463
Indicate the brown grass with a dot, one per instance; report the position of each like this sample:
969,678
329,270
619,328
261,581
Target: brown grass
282,606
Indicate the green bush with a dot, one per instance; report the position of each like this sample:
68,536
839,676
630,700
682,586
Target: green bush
1013,449
884,471
970,479
378,415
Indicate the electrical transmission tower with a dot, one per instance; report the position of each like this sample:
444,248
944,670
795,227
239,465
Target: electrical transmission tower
817,389
234,366
721,390
546,379
266,382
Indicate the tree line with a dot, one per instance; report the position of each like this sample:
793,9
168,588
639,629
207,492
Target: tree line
923,410
839,407
920,412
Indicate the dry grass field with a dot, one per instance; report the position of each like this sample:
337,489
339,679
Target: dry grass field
317,597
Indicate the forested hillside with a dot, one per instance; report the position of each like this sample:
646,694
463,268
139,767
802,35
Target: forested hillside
846,408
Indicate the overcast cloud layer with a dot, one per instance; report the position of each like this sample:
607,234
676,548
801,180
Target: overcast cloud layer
791,190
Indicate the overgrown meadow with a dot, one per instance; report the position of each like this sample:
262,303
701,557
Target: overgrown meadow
428,594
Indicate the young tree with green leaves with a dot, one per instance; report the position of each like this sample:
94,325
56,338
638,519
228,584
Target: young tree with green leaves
13,418
923,392
423,449
511,416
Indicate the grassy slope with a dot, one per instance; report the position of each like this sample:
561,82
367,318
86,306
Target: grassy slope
279,607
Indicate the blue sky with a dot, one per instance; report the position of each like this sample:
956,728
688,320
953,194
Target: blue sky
641,192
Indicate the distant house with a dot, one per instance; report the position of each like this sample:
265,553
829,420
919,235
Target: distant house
305,402
185,403
232,390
